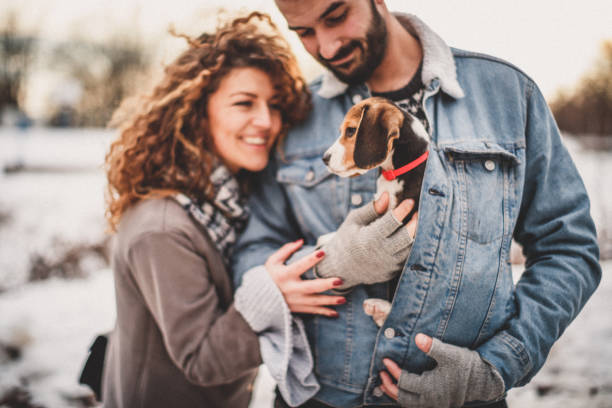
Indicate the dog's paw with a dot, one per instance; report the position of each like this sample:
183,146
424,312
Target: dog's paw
377,308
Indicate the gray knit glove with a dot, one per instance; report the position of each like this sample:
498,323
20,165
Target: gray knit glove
366,249
461,376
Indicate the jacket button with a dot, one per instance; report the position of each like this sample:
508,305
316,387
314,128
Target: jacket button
357,98
356,199
389,332
377,392
310,175
489,165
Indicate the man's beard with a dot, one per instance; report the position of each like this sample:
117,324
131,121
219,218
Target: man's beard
372,51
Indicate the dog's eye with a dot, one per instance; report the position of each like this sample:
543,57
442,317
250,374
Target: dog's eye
349,132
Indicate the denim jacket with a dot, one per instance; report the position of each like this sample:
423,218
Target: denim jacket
497,170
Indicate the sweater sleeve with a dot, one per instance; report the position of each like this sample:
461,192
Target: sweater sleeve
210,345
282,336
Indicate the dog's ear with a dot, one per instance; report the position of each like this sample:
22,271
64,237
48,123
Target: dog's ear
371,138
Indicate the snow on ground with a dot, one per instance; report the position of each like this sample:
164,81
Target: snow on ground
54,321
58,202
578,372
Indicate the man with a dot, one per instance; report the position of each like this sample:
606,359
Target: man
459,331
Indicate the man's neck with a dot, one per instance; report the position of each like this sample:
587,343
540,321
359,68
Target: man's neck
401,61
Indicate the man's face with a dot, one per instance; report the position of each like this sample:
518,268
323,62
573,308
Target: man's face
347,37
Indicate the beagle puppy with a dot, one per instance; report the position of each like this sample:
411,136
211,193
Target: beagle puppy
377,133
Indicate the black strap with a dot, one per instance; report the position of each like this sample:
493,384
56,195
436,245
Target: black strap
91,374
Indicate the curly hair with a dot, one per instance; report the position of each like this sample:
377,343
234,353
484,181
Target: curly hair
165,147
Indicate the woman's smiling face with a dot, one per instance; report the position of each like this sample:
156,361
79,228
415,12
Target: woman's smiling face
244,119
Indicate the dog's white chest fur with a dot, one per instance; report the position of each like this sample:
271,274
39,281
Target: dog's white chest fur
393,187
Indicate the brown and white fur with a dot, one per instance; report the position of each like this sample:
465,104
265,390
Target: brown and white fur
377,133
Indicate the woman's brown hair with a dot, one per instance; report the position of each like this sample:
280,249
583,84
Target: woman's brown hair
164,147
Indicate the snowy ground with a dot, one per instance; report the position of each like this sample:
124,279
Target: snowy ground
46,326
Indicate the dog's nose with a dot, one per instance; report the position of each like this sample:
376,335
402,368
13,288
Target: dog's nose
326,158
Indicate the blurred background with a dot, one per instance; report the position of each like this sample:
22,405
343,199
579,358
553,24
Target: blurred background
65,65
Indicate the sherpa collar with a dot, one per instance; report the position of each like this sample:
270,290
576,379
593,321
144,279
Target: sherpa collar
438,61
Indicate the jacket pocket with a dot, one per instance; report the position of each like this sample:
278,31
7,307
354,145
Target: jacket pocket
483,184
305,173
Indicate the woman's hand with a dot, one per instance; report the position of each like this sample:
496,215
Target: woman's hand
302,296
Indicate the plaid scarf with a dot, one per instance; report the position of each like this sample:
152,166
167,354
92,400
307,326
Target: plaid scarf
226,216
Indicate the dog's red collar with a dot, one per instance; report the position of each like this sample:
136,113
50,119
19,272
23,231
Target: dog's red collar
392,174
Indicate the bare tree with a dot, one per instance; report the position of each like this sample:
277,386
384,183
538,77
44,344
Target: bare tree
107,73
588,108
16,54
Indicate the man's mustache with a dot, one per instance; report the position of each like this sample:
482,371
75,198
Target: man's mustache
342,52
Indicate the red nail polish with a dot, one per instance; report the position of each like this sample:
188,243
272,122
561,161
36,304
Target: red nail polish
334,314
320,254
338,282
300,241
341,301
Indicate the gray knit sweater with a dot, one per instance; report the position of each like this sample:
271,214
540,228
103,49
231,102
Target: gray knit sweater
282,338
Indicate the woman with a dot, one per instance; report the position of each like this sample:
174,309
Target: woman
177,177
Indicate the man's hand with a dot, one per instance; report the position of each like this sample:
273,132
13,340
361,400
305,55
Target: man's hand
369,248
400,212
461,376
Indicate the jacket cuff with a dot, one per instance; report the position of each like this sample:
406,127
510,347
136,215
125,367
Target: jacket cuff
260,301
508,356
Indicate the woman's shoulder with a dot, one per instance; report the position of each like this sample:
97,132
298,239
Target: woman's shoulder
162,228
156,216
